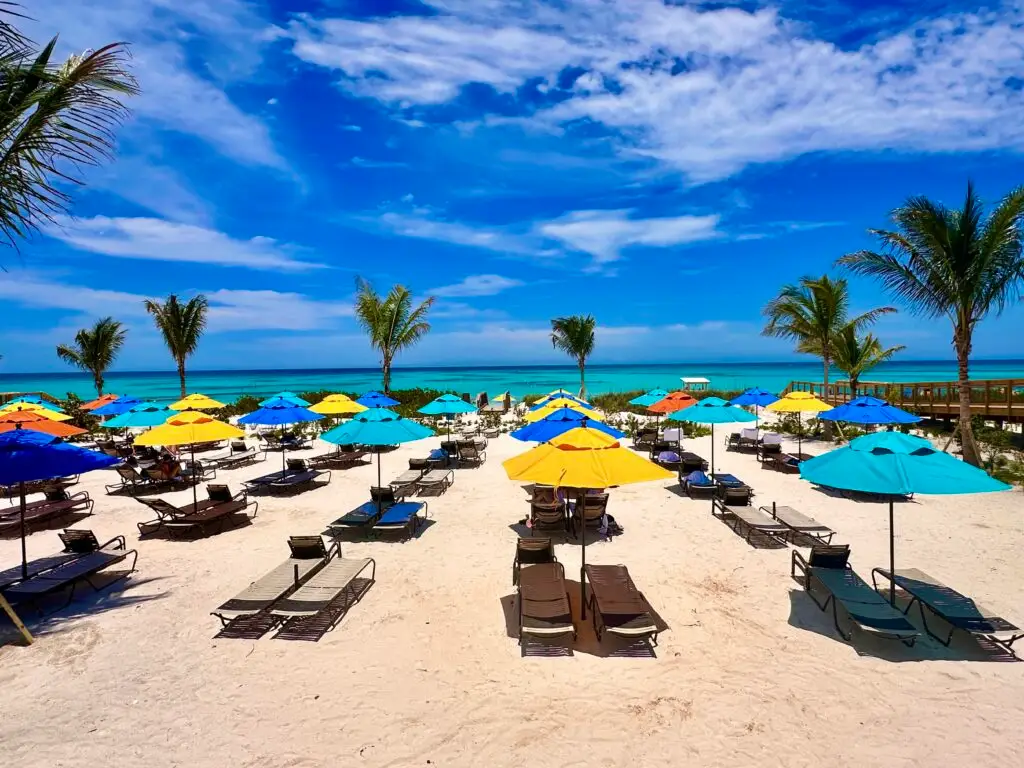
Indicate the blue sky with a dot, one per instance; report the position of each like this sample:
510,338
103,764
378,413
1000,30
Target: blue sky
665,166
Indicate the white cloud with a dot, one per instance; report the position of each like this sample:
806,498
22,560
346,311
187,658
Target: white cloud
363,162
477,285
159,240
704,90
425,225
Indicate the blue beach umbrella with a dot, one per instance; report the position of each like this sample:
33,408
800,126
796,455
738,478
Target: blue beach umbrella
447,406
289,396
27,455
560,421
123,404
649,398
35,400
712,410
377,427
142,415
758,398
279,412
869,410
376,400
894,464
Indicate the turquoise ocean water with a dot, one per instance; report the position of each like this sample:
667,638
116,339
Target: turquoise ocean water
162,386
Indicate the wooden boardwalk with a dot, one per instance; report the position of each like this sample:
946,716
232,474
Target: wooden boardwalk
1001,400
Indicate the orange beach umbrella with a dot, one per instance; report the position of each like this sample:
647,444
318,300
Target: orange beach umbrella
100,401
672,402
38,422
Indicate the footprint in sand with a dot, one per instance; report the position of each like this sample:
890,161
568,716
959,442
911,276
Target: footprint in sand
74,649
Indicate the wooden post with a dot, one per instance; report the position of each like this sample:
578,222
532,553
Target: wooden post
988,395
16,620
1009,402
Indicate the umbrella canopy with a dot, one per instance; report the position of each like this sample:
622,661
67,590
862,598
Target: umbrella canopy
894,464
672,402
559,396
583,458
278,411
447,405
34,400
36,421
337,405
196,402
117,407
27,455
754,396
34,408
377,427
142,415
649,398
869,410
712,410
289,396
558,423
376,400
101,400
557,405
799,402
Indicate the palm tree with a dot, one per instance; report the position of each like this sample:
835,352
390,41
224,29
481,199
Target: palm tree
53,121
94,349
855,355
814,313
181,325
391,322
574,335
958,264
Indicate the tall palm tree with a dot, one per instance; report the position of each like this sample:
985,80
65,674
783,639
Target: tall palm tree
855,354
94,349
181,325
391,322
958,264
54,119
574,335
814,313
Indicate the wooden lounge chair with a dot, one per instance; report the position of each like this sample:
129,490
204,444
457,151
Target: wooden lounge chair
436,481
336,579
402,518
617,605
958,611
308,556
531,552
753,521
69,575
57,505
827,569
544,607
220,508
76,544
799,523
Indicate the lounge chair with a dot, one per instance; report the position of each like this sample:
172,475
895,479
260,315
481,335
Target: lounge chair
40,486
76,544
781,462
547,511
240,455
697,490
345,456
57,505
308,556
436,481
617,605
532,552
828,569
471,453
958,611
590,515
359,520
692,462
220,508
644,438
799,523
753,520
135,482
401,518
296,476
731,490
405,483
670,460
544,607
69,575
771,443
313,598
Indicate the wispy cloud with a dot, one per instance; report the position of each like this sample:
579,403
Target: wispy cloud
159,240
362,162
477,285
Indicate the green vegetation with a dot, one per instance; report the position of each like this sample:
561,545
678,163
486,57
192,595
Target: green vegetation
181,325
391,323
574,335
94,349
855,355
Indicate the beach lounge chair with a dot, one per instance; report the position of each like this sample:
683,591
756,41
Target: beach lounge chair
471,453
76,544
771,443
786,463
40,486
308,556
69,575
343,457
731,490
744,440
692,462
405,483
670,460
296,476
753,521
697,485
359,520
240,455
532,552
617,605
589,515
402,518
826,569
644,438
547,511
57,505
958,611
544,607
135,482
799,523
313,599
436,481
220,508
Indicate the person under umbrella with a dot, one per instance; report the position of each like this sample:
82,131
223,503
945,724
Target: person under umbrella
278,412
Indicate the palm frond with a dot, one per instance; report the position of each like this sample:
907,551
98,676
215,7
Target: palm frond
574,335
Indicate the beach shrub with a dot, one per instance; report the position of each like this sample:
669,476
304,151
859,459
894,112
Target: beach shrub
72,406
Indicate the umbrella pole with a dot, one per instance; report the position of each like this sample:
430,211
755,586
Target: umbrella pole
583,556
712,450
24,552
892,557
195,480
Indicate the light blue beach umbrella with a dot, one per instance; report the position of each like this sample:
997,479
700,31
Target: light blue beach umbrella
123,404
141,415
377,427
447,406
712,410
893,464
35,400
562,420
289,396
649,398
278,412
869,410
376,400
758,398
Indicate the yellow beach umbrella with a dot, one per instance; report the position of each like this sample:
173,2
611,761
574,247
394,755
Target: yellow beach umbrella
583,458
337,405
799,402
196,402
42,410
554,405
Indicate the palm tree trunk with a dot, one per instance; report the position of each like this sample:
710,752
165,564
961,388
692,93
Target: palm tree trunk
963,353
583,383
97,379
386,370
181,375
828,424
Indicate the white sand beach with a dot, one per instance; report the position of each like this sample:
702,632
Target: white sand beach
426,669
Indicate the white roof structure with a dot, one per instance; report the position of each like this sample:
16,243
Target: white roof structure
694,380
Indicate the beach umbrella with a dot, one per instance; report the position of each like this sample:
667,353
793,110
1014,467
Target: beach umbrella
117,407
376,400
869,410
556,405
279,412
34,408
142,415
712,410
672,402
36,421
583,458
557,397
559,422
289,396
337,405
798,403
27,455
101,400
196,402
377,428
34,400
893,464
189,428
649,398
447,406
757,397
